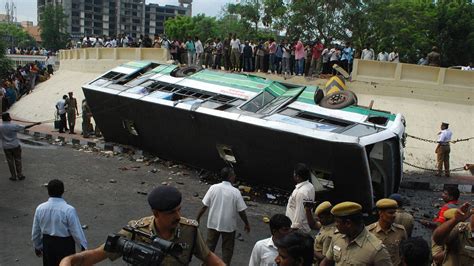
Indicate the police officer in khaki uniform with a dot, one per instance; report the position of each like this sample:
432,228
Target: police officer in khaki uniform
402,216
166,223
354,245
390,233
438,252
72,111
326,232
458,237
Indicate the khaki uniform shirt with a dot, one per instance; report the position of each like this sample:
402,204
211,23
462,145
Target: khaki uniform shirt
324,237
435,249
460,246
71,104
390,238
406,219
186,235
365,249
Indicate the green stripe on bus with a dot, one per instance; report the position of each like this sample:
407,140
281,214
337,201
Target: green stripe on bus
368,112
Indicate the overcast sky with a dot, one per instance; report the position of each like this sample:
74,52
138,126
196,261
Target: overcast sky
26,9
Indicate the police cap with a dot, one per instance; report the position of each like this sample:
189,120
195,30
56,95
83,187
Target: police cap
396,197
323,207
164,198
386,204
346,208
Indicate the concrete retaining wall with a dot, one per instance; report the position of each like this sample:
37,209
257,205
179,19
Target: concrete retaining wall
408,80
98,60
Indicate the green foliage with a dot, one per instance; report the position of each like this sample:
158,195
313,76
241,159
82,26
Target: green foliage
15,35
183,26
53,27
6,64
413,26
455,32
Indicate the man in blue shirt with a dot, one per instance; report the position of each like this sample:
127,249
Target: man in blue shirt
56,227
11,145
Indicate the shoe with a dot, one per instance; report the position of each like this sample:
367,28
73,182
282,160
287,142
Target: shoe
22,177
61,131
72,133
12,178
437,175
447,175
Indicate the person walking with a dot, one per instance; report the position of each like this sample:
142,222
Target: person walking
326,232
191,50
86,119
457,236
443,149
450,196
199,51
56,227
368,53
385,229
402,216
218,51
224,203
61,109
303,192
235,53
11,145
165,223
72,111
299,57
434,57
264,252
355,245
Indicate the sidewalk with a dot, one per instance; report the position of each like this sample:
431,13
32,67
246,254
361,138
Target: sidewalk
428,181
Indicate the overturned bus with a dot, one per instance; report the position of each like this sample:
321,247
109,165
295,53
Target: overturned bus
210,119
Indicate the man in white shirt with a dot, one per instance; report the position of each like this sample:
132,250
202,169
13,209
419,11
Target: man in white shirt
382,56
61,109
11,145
368,53
224,202
442,149
303,192
199,51
56,227
264,252
394,56
235,53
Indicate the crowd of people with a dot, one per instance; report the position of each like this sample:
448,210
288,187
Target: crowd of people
28,51
310,58
342,238
22,80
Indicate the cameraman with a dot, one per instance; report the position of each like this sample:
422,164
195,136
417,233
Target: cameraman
166,223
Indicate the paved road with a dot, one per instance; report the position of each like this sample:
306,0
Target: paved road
107,206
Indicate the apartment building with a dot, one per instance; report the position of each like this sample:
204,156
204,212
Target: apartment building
113,17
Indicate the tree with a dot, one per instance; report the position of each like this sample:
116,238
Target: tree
6,65
455,32
324,19
15,35
183,26
53,27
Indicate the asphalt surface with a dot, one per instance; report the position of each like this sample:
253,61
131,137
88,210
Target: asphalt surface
109,190
106,192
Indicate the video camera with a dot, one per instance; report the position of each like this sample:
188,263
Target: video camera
140,253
